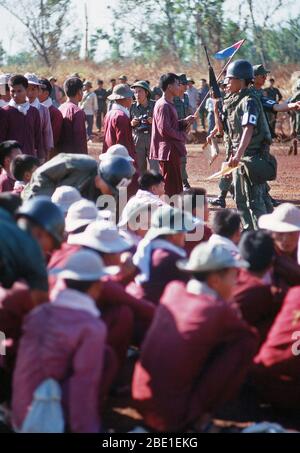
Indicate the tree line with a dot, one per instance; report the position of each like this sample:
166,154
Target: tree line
152,30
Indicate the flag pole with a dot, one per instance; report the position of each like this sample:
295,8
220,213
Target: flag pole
218,78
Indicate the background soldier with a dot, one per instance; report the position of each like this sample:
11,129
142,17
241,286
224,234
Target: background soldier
183,109
141,113
101,94
296,125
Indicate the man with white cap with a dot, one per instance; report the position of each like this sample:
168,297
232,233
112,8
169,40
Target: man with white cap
71,320
4,90
117,127
284,224
202,346
46,127
65,196
158,252
119,309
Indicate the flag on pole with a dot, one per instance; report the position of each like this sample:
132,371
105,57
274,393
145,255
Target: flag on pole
229,51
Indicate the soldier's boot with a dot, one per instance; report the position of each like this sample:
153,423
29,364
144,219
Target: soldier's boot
219,202
186,184
295,147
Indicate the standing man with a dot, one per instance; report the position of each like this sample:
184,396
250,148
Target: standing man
56,117
89,105
168,135
4,90
203,90
296,128
273,93
109,92
73,135
101,94
182,106
250,137
141,115
193,95
33,91
117,127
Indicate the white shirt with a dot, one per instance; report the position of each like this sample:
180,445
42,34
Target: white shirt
193,97
216,239
89,103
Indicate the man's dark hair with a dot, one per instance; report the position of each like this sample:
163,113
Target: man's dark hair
99,81
10,202
271,79
149,179
226,222
21,164
72,86
46,85
113,80
192,194
203,80
18,79
78,285
167,79
6,149
257,247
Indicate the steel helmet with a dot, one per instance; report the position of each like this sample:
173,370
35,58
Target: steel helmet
116,172
46,214
240,69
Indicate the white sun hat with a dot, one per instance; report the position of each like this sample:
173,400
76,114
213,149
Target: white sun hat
84,265
284,219
116,151
207,257
80,213
65,196
102,236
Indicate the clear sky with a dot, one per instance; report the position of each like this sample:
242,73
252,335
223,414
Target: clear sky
12,34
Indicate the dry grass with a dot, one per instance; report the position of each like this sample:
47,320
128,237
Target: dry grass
284,75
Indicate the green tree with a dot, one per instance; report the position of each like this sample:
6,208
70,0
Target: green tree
44,21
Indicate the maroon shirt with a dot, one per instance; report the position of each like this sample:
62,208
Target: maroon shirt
167,132
256,301
277,372
194,357
25,129
56,123
6,183
117,130
73,135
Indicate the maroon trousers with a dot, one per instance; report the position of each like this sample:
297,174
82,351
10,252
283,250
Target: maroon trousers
171,172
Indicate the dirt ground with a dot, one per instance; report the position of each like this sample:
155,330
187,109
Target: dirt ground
120,416
285,188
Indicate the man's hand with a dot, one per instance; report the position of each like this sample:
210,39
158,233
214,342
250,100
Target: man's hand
135,122
234,160
150,119
294,105
189,120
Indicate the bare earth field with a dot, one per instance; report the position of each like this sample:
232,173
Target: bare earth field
120,416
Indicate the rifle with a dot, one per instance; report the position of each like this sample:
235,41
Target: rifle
218,77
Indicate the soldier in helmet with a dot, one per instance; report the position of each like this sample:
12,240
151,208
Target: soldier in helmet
182,105
296,128
141,113
38,231
83,172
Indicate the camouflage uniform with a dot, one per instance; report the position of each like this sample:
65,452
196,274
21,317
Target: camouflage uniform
182,107
241,109
142,136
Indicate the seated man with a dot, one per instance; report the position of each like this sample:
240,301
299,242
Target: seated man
194,200
151,189
253,292
197,351
158,252
65,340
226,229
8,151
277,371
284,224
